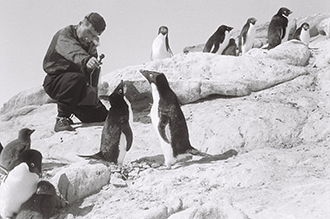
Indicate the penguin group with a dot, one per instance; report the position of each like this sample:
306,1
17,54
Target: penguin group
21,187
23,192
221,42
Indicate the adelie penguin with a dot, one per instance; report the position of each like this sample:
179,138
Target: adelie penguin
277,27
231,49
42,203
160,46
166,114
247,35
20,183
218,42
302,33
117,135
10,153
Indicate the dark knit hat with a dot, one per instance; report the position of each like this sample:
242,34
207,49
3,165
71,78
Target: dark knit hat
97,21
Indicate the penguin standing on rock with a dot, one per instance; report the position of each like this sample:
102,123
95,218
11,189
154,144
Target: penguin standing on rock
231,49
247,35
9,155
219,40
168,119
20,183
42,204
277,27
160,46
117,135
302,33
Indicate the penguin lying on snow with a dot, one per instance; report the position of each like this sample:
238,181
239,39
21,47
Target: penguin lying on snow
117,135
42,203
166,113
219,40
9,155
302,33
247,35
20,183
160,46
277,27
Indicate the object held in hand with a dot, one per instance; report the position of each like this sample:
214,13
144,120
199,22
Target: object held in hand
92,98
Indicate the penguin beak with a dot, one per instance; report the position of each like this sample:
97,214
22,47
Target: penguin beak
145,73
36,170
32,130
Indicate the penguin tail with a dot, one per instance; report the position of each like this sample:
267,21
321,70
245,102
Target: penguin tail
195,152
97,156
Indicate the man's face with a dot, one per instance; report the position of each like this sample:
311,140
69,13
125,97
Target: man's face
87,33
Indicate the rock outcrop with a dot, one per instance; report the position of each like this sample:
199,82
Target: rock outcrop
264,116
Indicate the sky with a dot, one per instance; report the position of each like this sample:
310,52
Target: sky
27,27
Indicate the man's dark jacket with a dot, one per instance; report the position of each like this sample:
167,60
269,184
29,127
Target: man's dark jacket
66,53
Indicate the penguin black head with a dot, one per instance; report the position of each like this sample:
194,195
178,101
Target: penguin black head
151,76
224,28
232,42
156,78
25,133
252,20
117,94
305,26
33,159
163,30
46,188
284,12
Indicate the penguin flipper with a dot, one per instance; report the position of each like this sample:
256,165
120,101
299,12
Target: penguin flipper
3,170
163,122
151,56
216,48
129,136
244,33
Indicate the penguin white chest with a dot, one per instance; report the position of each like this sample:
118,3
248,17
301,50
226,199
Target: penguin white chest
17,188
166,147
250,35
225,43
154,108
305,36
159,50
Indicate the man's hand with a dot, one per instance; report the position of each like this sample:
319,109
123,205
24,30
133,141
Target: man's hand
93,63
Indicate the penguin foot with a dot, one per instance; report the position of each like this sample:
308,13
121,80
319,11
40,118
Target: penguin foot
165,167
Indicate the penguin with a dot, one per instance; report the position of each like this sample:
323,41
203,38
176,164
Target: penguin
1,148
219,40
42,203
160,46
117,135
20,183
302,33
277,27
166,114
9,155
231,49
247,35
